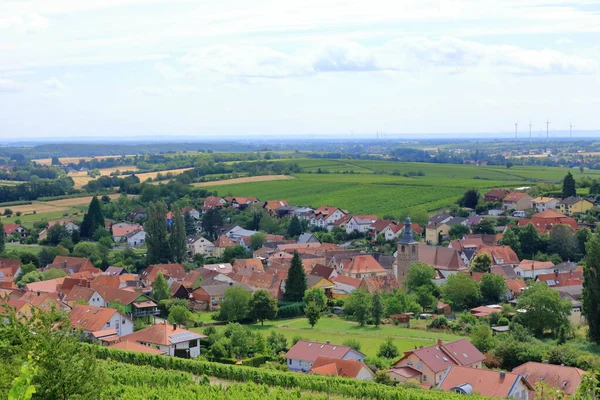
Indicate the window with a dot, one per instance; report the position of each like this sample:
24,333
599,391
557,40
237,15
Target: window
424,378
193,344
419,365
108,324
289,361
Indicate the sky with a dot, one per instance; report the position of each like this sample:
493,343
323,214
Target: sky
264,68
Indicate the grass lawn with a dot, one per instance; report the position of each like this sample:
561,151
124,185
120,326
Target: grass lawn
338,330
27,220
24,248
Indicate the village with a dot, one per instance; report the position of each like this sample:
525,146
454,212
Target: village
120,309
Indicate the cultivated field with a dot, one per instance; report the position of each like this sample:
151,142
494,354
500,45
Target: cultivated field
41,207
152,175
338,330
71,160
249,179
81,178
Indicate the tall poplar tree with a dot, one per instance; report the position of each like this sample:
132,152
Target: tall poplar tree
156,234
295,227
568,188
190,224
177,239
2,245
92,220
295,284
591,288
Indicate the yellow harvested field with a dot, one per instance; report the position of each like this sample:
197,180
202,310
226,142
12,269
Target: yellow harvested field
249,179
147,175
54,205
70,160
81,178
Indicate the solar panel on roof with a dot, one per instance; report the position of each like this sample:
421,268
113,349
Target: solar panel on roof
183,337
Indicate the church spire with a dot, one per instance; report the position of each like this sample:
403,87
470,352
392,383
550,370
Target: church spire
407,236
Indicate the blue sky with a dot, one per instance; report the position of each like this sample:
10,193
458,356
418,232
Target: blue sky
129,68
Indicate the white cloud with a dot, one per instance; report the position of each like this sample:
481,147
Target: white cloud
24,23
53,83
564,41
168,72
149,90
9,86
403,54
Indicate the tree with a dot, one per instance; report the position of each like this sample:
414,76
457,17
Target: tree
511,239
177,240
530,240
53,273
425,298
211,222
563,241
485,226
493,288
377,309
235,304
294,228
277,342
419,274
482,262
190,224
358,305
93,251
312,312
56,234
47,255
352,343
160,290
545,310
30,277
482,338
591,288
61,365
179,314
470,199
568,188
399,302
2,236
257,240
388,349
458,231
233,253
92,220
295,284
317,295
156,234
461,291
263,306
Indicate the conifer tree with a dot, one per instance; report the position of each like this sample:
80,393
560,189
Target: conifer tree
295,285
295,227
156,234
568,189
160,291
2,245
591,288
92,220
190,224
377,311
177,241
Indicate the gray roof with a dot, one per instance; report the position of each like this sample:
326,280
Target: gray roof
566,266
407,235
456,221
305,237
439,218
384,260
571,200
183,337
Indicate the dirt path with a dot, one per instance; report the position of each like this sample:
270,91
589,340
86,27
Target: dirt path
249,179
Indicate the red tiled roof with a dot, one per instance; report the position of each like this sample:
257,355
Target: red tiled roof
405,372
570,278
484,382
12,263
545,224
158,334
310,351
560,377
529,265
90,318
121,230
441,257
382,283
275,204
381,224
175,271
336,367
363,264
127,345
501,255
514,196
49,286
253,264
224,241
346,280
516,286
440,356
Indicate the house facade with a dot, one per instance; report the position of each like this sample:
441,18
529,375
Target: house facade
303,354
545,203
574,205
518,201
199,245
173,340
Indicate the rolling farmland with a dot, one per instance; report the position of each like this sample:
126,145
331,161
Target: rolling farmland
380,187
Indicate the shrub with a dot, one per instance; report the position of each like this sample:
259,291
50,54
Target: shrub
353,343
503,322
440,322
388,349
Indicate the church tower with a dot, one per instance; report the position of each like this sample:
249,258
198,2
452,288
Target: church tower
408,252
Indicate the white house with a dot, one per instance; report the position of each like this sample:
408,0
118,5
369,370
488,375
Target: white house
136,238
199,245
172,339
545,203
360,223
325,216
304,353
531,268
90,296
92,319
192,211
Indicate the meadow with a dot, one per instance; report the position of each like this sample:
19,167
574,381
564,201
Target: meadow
338,330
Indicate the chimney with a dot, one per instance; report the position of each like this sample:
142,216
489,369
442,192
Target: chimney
174,327
502,374
38,292
439,342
